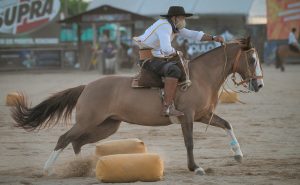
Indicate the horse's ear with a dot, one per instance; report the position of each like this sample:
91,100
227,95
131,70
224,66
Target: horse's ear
248,40
246,43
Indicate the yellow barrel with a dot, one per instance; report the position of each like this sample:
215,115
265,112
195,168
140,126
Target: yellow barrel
228,97
124,146
11,98
129,168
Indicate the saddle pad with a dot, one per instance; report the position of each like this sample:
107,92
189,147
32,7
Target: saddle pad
147,79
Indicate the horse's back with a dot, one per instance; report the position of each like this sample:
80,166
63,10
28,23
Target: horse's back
285,51
102,90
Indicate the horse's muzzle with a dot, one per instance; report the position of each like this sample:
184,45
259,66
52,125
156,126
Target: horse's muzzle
260,84
256,84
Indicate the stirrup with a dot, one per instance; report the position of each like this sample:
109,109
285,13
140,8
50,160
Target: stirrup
170,110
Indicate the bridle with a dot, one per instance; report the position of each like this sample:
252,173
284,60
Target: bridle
250,76
233,78
234,70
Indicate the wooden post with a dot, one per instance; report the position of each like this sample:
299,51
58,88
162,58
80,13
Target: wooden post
95,35
118,35
94,47
79,54
62,58
132,29
78,34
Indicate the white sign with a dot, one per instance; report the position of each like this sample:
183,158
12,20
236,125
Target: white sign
29,41
23,16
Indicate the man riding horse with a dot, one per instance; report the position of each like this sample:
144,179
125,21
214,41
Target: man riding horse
158,56
293,43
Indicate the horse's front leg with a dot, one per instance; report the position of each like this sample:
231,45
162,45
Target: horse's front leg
187,130
219,122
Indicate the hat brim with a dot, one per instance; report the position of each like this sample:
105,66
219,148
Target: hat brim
186,15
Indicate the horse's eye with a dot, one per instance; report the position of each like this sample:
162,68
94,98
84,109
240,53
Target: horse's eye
252,61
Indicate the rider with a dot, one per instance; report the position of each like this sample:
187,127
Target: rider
155,44
293,43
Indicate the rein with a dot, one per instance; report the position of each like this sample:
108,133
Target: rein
223,74
236,64
233,77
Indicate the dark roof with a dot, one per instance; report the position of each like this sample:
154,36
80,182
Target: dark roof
105,14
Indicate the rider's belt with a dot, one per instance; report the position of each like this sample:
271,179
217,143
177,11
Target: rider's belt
171,58
145,54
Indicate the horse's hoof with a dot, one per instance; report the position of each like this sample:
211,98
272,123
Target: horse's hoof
47,172
199,171
238,158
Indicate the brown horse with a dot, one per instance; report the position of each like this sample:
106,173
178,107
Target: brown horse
104,103
282,52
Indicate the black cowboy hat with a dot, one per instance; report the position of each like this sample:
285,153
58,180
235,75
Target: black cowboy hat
177,11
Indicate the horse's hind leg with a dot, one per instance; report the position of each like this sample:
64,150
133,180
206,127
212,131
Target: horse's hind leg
96,133
280,64
279,61
62,143
79,136
219,122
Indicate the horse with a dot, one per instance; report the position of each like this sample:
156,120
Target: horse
282,52
103,104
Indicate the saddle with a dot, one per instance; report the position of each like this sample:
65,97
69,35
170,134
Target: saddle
148,79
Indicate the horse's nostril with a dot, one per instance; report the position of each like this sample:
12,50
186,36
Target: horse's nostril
260,86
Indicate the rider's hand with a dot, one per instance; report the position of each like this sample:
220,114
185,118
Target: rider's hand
218,38
180,53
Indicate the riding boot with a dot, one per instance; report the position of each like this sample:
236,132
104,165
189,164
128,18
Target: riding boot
170,91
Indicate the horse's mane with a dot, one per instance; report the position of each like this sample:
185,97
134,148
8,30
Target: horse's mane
244,43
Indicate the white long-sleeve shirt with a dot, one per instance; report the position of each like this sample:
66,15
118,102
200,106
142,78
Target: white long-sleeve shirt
292,38
159,36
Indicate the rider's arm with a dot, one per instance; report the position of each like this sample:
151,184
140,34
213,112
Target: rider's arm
190,34
164,34
199,35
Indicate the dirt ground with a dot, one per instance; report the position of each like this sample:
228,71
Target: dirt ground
267,127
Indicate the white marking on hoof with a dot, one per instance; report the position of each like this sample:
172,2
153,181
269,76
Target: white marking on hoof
238,158
51,160
47,172
235,146
199,171
236,150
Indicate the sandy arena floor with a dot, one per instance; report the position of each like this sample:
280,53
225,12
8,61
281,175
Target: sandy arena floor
267,127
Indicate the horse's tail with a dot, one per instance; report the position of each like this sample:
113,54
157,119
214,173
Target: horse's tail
53,108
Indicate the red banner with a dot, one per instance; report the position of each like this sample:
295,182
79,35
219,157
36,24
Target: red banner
282,16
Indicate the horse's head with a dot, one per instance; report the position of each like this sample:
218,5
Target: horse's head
248,66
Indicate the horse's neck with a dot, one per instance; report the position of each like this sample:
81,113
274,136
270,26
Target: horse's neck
214,67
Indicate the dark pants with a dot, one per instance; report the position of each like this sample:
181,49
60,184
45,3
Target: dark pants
294,48
162,68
